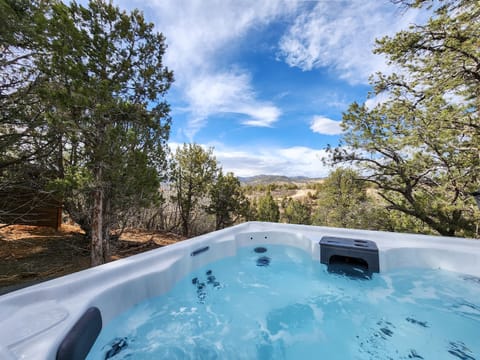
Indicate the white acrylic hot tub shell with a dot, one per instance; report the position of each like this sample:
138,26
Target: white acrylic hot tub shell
34,320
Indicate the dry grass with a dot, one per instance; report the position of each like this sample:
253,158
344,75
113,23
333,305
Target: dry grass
31,254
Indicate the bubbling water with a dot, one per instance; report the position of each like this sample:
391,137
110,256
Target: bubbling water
274,302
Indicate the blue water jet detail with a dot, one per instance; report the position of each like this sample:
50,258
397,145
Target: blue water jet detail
460,350
414,355
117,345
417,322
263,261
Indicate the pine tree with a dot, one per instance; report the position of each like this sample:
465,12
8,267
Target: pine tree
297,212
267,209
227,200
105,91
193,173
421,147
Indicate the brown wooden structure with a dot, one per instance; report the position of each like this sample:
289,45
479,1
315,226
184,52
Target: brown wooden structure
30,208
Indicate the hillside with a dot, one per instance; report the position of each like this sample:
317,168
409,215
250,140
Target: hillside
278,179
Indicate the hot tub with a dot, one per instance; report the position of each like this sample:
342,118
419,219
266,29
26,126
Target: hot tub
36,321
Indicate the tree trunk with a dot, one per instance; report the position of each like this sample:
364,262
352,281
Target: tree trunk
219,222
97,254
106,229
185,226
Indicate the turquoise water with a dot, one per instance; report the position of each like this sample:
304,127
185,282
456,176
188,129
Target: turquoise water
279,304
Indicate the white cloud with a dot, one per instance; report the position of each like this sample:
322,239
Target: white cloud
258,160
378,99
197,30
255,160
199,36
261,115
227,92
326,126
341,35
335,100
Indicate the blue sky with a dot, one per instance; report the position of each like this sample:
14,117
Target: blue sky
265,82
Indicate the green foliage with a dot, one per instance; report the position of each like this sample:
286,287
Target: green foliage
297,212
267,209
382,218
193,172
345,200
272,187
291,186
227,200
85,89
340,200
252,214
24,132
107,82
26,141
421,147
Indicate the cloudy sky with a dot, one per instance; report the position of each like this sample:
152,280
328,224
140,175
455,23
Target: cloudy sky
265,82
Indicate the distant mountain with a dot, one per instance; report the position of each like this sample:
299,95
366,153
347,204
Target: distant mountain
279,179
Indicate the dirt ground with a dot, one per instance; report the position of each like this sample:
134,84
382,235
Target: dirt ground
31,254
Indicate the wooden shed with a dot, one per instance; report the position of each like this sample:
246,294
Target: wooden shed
26,207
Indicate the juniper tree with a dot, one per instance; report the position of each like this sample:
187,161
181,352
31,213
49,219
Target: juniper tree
227,200
421,147
193,172
297,212
267,209
106,88
28,156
